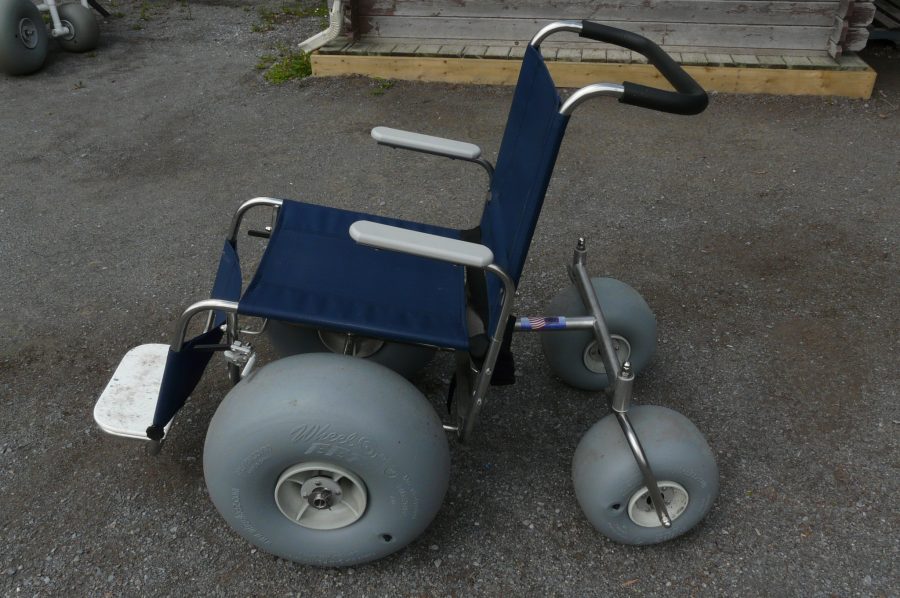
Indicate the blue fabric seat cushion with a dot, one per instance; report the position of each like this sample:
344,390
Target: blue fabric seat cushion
313,273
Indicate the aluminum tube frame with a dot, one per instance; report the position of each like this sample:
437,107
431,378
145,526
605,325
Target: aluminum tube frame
211,305
640,456
601,332
540,36
615,90
483,379
245,207
568,323
620,400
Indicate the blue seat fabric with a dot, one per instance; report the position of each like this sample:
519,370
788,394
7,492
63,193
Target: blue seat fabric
313,273
534,132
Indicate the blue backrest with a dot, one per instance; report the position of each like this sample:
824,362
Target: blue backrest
534,131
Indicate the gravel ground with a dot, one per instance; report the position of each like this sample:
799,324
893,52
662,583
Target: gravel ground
764,233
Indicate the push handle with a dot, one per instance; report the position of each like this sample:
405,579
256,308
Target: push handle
689,98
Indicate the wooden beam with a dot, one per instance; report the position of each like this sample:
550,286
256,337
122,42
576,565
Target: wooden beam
847,83
708,35
759,12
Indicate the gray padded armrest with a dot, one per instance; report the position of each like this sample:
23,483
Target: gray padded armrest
426,143
436,247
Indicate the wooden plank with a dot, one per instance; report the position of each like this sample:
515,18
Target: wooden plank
497,52
429,50
569,55
814,13
451,50
672,34
405,49
797,62
593,55
580,45
745,59
719,59
822,62
623,56
693,58
856,39
772,62
862,13
855,83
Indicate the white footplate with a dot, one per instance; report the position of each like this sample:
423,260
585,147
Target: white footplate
127,404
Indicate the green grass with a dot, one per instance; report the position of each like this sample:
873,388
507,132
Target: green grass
381,86
292,65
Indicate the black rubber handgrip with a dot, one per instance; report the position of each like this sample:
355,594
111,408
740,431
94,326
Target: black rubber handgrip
689,98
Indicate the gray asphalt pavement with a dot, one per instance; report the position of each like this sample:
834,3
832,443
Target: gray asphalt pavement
764,234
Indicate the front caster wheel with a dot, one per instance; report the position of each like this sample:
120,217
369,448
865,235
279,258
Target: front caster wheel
293,339
23,37
326,460
575,356
611,490
84,31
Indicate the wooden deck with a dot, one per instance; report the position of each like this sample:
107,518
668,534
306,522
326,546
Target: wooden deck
487,62
784,27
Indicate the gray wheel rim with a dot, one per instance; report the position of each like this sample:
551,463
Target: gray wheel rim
640,507
593,360
320,496
68,25
28,33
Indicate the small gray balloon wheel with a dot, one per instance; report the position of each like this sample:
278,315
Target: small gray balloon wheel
84,31
23,37
611,490
326,460
294,339
574,355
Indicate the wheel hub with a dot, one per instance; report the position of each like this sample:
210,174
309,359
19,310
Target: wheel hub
593,359
320,496
344,343
28,33
320,492
71,34
642,512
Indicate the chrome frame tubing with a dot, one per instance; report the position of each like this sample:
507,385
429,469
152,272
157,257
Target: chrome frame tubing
483,379
245,207
620,400
540,36
210,305
622,388
615,90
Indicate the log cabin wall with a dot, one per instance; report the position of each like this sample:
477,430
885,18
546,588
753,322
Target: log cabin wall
781,27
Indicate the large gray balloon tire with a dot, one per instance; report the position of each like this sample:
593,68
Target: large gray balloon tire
294,339
21,26
627,315
348,414
84,33
607,478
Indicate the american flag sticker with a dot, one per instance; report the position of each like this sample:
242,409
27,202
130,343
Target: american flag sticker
531,323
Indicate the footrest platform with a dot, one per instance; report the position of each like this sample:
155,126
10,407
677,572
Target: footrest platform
127,404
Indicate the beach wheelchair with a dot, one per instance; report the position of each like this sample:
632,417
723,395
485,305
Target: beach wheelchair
329,455
25,40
